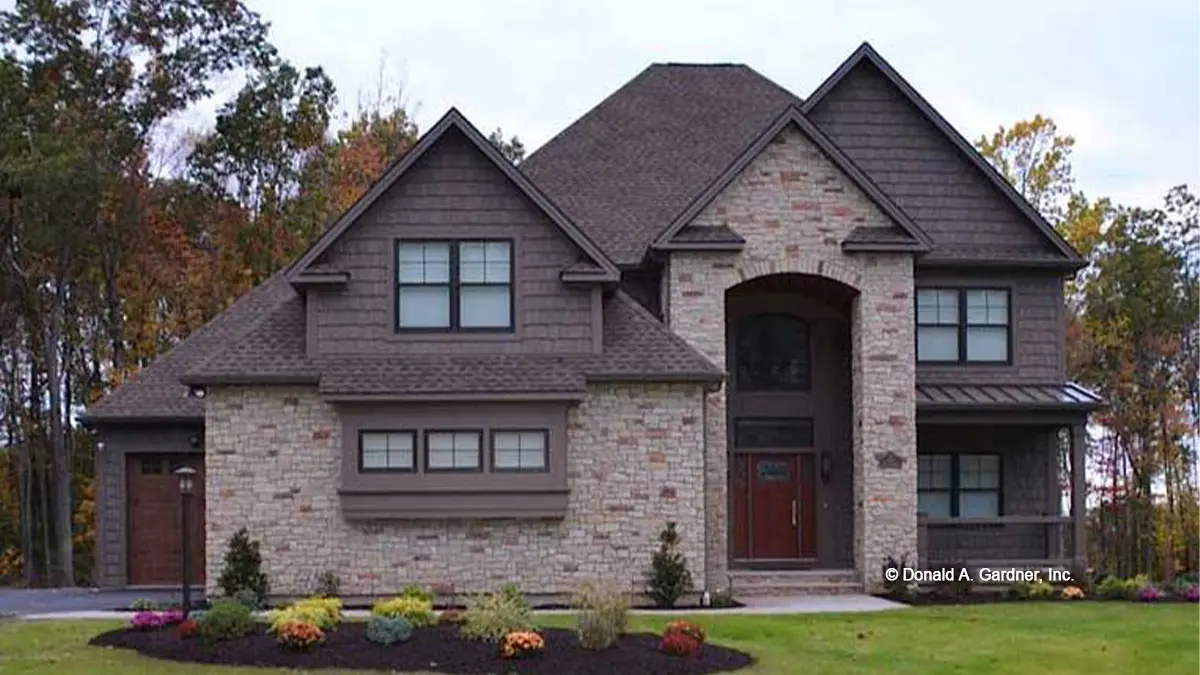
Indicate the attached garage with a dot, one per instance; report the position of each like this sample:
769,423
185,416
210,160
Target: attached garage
155,555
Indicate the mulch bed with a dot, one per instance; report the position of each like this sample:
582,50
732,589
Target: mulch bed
438,649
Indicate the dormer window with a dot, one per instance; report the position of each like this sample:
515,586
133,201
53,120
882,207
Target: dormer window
454,285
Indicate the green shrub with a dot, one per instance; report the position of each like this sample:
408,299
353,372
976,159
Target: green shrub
387,630
1116,588
1020,590
491,616
324,613
417,611
329,585
419,592
896,588
958,585
602,615
669,577
143,605
242,575
225,620
1041,590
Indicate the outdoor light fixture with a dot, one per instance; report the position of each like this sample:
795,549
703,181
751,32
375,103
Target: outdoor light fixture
187,478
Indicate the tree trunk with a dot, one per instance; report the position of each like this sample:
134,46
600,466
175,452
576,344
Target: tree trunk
58,448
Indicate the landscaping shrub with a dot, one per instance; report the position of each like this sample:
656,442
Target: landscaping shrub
300,636
418,611
1116,588
1149,593
225,620
329,585
387,630
419,592
1020,590
452,617
685,627
147,621
959,584
1041,590
669,578
723,598
1073,593
521,644
679,644
491,616
601,615
186,629
324,613
143,605
249,599
242,572
1192,594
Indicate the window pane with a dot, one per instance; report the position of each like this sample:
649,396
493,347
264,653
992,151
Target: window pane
388,450
987,307
937,343
485,307
484,262
977,504
979,471
987,343
933,472
935,504
424,306
423,263
937,306
453,450
773,433
520,450
772,353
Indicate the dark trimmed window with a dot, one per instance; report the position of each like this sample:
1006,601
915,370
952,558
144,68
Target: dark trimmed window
453,285
387,451
454,450
964,325
773,432
772,353
959,485
520,450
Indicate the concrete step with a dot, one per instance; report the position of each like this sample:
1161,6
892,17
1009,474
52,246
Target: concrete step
758,583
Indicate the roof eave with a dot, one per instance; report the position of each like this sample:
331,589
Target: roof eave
325,279
449,396
213,380
884,247
92,421
1008,407
1061,264
717,246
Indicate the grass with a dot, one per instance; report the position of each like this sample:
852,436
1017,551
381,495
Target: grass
1058,638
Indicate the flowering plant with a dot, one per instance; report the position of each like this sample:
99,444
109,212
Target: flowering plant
1072,593
520,644
679,644
300,636
1149,594
147,621
186,629
1192,594
684,627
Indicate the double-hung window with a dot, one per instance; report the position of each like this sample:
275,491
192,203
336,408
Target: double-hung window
963,325
454,285
961,485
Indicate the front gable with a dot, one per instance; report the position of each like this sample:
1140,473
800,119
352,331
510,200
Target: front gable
928,169
451,189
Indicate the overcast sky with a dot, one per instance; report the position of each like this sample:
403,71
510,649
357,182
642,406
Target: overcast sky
1122,77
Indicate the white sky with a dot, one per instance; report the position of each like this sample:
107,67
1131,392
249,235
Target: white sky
1122,77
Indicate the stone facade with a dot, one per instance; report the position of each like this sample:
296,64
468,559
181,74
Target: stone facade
794,207
634,462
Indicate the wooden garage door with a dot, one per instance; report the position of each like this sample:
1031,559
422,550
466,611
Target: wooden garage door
155,549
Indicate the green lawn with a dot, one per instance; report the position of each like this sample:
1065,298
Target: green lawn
1091,638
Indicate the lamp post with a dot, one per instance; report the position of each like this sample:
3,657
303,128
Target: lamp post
187,476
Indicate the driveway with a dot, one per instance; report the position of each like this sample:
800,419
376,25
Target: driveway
45,600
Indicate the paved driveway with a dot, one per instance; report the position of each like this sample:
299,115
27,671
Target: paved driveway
46,600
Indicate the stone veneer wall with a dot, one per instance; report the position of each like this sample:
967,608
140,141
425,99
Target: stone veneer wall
794,207
634,463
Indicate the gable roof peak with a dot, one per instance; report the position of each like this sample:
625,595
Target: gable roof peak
454,119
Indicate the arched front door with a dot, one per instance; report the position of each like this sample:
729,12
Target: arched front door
788,402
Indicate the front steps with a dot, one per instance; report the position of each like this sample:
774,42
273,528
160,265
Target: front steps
759,583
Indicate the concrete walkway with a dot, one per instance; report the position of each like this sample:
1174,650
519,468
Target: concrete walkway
808,604
33,601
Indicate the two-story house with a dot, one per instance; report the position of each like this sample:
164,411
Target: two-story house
812,333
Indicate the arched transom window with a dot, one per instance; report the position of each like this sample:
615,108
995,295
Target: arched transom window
772,353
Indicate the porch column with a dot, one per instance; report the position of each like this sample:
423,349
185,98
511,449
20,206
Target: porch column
1079,493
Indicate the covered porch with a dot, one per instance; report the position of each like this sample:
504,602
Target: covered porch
1001,475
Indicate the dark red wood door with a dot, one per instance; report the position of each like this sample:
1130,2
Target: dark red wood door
774,524
155,520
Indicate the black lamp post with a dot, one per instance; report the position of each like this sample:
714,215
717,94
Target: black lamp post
187,476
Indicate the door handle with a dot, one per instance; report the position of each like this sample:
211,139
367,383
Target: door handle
794,509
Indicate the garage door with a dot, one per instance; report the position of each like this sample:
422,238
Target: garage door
155,549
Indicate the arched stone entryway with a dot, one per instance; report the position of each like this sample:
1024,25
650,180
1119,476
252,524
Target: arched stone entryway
788,410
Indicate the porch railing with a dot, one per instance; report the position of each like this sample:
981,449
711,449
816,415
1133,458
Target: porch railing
999,541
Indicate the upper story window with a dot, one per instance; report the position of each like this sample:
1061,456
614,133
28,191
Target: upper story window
772,353
453,450
454,285
963,325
